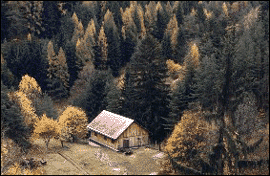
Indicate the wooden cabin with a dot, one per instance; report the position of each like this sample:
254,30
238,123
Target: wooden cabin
115,131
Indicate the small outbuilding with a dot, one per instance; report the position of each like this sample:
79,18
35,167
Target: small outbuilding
116,131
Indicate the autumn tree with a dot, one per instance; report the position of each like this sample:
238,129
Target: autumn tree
150,16
78,29
29,86
129,31
85,46
57,73
101,51
171,32
72,122
46,129
190,142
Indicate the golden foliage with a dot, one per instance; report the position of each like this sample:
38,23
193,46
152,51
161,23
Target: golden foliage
28,111
193,55
192,132
57,65
172,31
2,59
29,38
169,8
193,12
207,13
75,120
108,17
50,51
140,12
159,7
225,8
121,81
172,66
29,85
46,128
102,42
89,36
63,72
15,169
251,17
75,19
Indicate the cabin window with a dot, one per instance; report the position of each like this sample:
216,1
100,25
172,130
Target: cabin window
105,138
113,141
95,133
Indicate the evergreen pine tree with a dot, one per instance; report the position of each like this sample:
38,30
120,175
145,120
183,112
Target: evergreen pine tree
12,121
146,94
114,99
92,99
6,75
51,19
111,32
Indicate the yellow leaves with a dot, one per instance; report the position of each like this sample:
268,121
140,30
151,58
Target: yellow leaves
159,7
46,128
193,12
172,31
225,8
108,16
193,55
185,134
2,59
172,66
208,14
90,34
102,42
121,81
75,120
29,38
75,18
251,17
29,85
15,169
26,108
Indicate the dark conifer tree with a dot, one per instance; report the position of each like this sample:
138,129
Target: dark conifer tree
112,34
51,19
92,99
146,94
12,121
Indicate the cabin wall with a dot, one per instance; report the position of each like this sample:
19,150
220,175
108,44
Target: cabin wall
132,133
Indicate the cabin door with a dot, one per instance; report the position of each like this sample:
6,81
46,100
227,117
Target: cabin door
125,143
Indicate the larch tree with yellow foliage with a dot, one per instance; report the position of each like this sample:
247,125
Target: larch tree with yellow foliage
191,140
46,129
72,124
58,82
184,93
101,51
30,87
78,29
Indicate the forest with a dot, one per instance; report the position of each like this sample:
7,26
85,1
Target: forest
194,73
